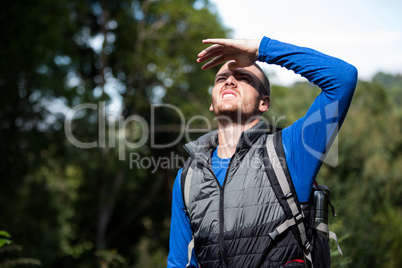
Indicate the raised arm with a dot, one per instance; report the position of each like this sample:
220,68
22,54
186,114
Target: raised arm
307,141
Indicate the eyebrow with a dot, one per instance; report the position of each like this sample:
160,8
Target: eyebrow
235,73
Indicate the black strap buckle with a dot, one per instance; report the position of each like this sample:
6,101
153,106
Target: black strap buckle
308,247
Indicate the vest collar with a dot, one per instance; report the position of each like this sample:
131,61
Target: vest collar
202,148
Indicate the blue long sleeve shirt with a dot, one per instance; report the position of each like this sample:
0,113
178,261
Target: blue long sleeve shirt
305,142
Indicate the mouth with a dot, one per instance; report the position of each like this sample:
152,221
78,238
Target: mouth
229,94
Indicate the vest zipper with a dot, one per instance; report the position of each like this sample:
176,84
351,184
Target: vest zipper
221,215
221,225
221,206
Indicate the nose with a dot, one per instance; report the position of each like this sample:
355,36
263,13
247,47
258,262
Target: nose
231,81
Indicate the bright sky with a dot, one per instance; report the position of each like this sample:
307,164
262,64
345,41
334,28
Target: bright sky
367,34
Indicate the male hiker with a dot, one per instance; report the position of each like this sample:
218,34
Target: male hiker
243,198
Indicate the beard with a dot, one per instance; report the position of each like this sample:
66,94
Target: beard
240,113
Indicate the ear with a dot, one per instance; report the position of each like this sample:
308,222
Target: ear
211,108
264,103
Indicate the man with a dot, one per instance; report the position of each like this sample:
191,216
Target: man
231,208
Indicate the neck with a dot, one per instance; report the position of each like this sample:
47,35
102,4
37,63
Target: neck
228,136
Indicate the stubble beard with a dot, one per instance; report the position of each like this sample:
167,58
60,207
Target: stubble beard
236,115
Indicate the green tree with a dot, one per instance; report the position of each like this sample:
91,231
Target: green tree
65,203
367,183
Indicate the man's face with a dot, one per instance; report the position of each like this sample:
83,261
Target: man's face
236,92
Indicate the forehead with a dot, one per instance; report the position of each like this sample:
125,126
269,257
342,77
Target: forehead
250,70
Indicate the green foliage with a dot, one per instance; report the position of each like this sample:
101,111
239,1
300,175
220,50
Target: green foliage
8,260
289,104
66,205
338,260
4,238
367,183
392,85
110,258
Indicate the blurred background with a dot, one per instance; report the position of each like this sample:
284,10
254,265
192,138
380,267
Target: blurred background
94,94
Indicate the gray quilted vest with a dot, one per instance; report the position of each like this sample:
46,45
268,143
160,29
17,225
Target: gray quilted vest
243,223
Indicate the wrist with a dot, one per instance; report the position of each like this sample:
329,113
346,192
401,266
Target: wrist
256,54
257,51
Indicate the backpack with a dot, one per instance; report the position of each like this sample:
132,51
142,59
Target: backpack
308,221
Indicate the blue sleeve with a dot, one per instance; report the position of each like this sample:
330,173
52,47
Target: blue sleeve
307,141
180,230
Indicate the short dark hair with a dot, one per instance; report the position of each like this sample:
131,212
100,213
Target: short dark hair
265,87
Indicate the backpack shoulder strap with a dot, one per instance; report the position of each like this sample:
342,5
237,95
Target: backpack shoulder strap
186,177
278,174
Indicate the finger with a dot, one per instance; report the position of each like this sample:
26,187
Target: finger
214,62
233,65
220,41
210,49
209,56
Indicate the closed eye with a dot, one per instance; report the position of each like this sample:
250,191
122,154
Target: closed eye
244,78
220,79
